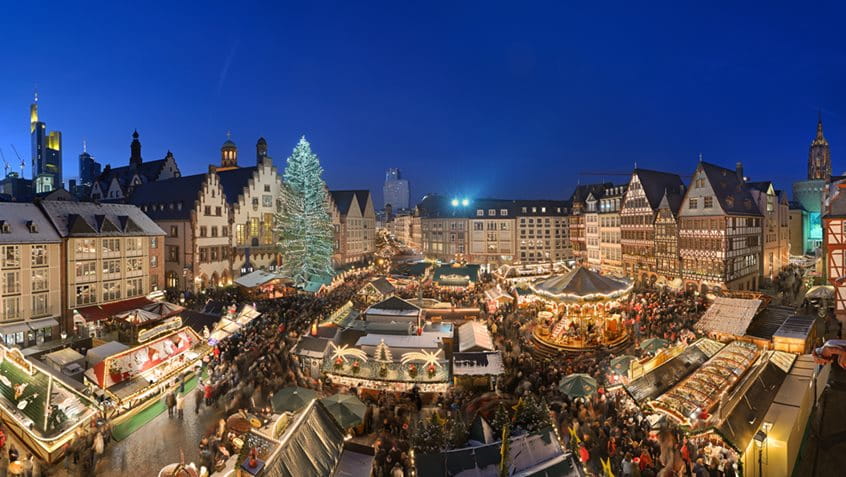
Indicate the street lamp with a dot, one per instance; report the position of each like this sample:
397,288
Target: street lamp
455,202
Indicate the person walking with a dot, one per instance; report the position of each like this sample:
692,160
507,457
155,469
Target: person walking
180,405
170,402
198,398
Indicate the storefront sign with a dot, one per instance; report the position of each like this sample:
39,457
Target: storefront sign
169,324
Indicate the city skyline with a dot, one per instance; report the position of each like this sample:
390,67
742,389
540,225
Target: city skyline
542,101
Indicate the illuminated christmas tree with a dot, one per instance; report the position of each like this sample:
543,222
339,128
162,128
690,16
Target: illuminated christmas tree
304,225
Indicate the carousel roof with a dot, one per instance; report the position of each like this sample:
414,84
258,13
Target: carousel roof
579,283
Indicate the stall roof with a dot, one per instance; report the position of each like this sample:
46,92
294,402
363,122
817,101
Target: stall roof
765,324
529,454
747,415
474,335
393,306
310,447
354,464
661,379
382,285
424,341
729,316
100,353
451,275
101,312
311,347
485,363
796,327
258,278
64,356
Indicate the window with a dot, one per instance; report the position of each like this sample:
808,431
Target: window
224,231
85,295
86,248
218,211
213,254
240,237
708,202
267,188
154,282
85,271
39,280
134,287
693,203
267,200
214,231
39,305
254,227
503,212
154,242
11,256
111,246
173,253
11,282
111,267
154,261
267,230
480,213
133,245
111,291
174,231
12,308
492,212
39,255
204,255
133,265
203,231
255,203
207,210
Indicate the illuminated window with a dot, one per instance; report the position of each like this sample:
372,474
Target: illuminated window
11,256
39,255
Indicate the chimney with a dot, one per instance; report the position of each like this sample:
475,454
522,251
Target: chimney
739,169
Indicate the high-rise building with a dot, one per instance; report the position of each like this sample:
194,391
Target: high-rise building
395,190
46,153
89,169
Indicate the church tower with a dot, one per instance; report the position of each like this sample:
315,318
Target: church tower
261,150
135,151
819,156
228,154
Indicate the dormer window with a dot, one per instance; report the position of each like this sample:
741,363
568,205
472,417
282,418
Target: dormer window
5,227
730,201
31,226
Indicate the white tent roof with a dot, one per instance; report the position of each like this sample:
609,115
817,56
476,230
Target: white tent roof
100,353
474,334
487,363
256,278
728,316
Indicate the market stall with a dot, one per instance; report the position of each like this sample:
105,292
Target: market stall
39,409
131,375
478,369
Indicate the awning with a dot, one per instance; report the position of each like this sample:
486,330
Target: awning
42,323
101,312
14,328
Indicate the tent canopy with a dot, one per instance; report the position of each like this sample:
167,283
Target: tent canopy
310,447
258,278
579,283
138,316
100,353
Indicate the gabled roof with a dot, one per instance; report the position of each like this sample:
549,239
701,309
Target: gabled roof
726,184
79,219
382,285
656,183
672,201
148,172
160,198
20,216
343,199
311,446
582,191
394,303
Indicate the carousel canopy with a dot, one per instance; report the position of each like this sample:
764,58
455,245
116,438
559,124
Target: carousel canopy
138,316
579,283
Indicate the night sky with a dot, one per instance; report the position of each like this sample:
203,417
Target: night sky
467,98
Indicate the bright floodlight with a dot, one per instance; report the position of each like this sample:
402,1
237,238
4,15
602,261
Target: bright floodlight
455,202
465,202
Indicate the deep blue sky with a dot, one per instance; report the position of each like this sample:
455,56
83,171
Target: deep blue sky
471,98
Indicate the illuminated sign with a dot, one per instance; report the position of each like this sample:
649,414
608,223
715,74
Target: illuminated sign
15,356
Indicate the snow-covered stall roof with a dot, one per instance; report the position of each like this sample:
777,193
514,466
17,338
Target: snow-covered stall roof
729,316
474,336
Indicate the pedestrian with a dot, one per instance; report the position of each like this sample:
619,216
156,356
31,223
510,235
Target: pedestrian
180,405
170,402
27,465
198,401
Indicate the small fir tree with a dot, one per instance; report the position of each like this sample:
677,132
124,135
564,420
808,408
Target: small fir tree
304,225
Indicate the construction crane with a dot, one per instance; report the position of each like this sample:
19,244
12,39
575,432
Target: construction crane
20,158
5,162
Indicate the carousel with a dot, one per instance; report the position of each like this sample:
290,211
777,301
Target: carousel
580,311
